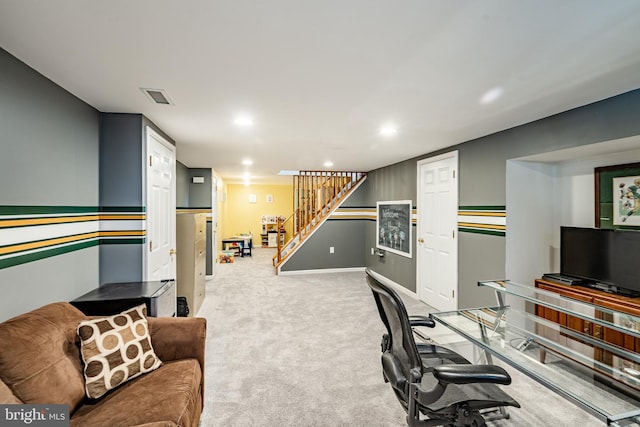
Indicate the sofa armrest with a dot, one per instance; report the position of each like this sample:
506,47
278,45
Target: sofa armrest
7,396
175,338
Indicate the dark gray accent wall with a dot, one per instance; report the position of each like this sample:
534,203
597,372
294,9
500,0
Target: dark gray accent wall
345,236
395,182
182,185
200,198
200,194
48,141
121,164
482,171
49,150
123,183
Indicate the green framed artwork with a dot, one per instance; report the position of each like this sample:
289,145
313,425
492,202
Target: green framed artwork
617,196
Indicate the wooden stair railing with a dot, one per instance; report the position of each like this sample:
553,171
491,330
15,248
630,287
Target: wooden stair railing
315,195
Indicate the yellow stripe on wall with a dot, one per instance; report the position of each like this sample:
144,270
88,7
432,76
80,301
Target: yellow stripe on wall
480,213
473,224
5,223
49,242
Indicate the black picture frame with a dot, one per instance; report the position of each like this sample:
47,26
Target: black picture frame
393,227
607,197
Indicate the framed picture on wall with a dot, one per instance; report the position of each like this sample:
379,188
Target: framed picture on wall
626,205
393,227
617,196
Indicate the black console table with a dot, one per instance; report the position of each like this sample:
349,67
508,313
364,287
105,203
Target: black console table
113,298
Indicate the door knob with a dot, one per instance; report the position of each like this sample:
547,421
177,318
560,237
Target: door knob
420,240
172,252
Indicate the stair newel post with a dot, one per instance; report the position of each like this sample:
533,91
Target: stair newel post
279,244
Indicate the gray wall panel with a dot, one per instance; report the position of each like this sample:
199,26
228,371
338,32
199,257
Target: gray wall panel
200,194
120,263
121,154
182,185
123,160
395,182
61,278
398,267
49,141
481,258
346,236
49,150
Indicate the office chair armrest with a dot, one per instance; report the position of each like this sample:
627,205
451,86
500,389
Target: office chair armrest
467,374
422,321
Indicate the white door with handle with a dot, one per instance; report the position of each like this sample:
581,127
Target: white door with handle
437,240
161,208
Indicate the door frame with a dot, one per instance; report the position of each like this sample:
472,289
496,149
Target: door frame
420,223
149,132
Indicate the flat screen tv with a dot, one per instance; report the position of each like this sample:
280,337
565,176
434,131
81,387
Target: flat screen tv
604,258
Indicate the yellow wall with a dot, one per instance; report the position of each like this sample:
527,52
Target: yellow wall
242,216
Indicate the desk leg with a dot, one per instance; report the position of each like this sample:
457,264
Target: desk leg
502,411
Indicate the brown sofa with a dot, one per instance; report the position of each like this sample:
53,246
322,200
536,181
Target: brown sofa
40,363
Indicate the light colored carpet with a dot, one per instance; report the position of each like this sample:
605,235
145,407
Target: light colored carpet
304,350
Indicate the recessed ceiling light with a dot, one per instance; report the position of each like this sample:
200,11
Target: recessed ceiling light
247,162
491,95
328,164
243,121
388,130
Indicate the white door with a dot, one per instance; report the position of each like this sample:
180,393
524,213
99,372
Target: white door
437,234
214,223
161,208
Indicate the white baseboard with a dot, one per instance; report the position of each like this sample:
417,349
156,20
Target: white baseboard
321,271
396,286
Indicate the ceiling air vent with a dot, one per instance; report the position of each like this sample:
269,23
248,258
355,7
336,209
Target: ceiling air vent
158,96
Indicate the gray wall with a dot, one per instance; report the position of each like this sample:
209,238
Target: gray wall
123,182
49,151
396,182
200,194
346,237
190,195
121,186
182,185
482,171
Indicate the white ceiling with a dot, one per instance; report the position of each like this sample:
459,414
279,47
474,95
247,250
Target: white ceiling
321,76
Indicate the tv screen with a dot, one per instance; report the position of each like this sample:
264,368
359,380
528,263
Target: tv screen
601,256
584,253
625,252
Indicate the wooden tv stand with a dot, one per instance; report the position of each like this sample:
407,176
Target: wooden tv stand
597,298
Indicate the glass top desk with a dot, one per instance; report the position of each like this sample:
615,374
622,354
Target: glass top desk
602,378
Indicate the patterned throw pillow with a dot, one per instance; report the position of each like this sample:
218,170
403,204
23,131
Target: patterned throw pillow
116,349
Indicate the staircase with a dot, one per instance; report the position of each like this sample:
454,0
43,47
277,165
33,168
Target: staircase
316,194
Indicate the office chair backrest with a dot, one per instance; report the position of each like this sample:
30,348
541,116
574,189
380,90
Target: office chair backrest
401,353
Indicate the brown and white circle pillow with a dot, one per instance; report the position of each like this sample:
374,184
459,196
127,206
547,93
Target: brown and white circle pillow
116,349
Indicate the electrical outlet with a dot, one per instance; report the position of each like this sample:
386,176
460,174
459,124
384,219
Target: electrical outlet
331,249
373,252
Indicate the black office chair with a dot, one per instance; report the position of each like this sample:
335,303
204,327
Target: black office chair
432,380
